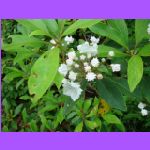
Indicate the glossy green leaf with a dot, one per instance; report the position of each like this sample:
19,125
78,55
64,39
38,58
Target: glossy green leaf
141,26
80,24
12,75
79,127
115,30
43,73
86,105
135,71
103,51
144,51
34,24
111,119
91,124
111,93
22,40
58,80
33,126
18,109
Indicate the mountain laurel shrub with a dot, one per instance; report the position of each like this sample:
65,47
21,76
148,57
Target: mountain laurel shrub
75,75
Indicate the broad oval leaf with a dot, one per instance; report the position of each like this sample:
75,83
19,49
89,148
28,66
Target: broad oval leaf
135,71
43,73
80,24
109,91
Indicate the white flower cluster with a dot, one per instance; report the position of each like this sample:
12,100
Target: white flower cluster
82,64
142,106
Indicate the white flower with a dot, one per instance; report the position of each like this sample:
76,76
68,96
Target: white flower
99,76
52,41
95,62
82,57
69,62
63,69
72,76
85,64
72,89
89,55
94,40
103,60
76,66
115,67
69,39
144,112
141,105
111,53
71,55
87,68
87,48
90,76
64,81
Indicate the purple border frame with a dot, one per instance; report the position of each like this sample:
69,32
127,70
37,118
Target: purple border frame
125,9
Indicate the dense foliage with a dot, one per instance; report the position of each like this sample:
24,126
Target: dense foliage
75,75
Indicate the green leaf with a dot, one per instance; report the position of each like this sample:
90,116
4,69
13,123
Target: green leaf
103,51
60,115
144,51
110,92
37,32
80,24
52,27
91,124
58,80
79,127
24,115
35,24
47,108
115,30
18,109
45,122
22,40
86,106
111,119
12,75
33,126
22,55
43,73
135,71
141,30
121,26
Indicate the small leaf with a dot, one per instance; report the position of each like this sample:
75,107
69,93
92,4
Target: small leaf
135,71
58,80
18,109
79,127
111,119
86,105
91,124
144,51
33,126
